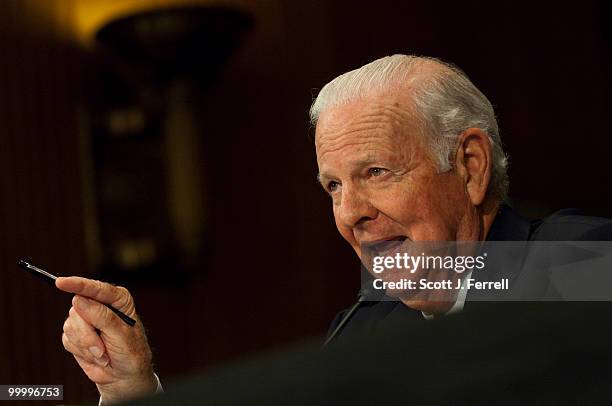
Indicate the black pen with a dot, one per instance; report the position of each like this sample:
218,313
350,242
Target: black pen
50,278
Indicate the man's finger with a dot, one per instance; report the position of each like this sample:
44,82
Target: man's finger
78,351
84,336
97,315
100,291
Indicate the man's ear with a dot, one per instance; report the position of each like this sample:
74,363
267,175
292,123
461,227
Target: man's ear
473,162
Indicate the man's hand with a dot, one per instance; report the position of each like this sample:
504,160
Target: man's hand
115,356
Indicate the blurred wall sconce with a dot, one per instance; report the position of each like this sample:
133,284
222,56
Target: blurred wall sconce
147,159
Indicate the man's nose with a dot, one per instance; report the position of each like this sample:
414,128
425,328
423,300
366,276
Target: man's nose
354,207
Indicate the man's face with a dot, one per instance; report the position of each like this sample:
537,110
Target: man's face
374,164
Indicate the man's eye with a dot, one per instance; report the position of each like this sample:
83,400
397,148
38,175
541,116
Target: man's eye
377,171
332,186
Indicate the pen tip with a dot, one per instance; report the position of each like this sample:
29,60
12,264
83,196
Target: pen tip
21,262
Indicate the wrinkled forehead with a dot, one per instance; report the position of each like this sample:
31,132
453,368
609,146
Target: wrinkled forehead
387,118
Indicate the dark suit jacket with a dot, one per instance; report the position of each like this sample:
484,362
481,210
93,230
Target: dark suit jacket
564,225
483,355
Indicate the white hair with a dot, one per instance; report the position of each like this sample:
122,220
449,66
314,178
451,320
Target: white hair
445,102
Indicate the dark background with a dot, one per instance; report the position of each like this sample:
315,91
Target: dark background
269,268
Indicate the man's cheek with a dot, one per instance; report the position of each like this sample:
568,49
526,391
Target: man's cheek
398,204
433,230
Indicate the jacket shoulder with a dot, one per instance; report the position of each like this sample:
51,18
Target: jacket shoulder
570,225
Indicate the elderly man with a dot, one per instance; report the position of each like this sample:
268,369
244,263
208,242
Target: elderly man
408,149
